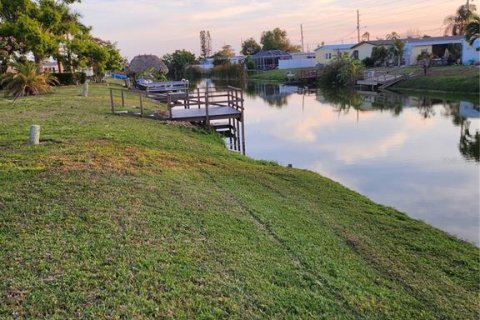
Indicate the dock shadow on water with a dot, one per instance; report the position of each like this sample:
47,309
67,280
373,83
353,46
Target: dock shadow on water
417,153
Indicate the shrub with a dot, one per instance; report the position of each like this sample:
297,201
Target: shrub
24,80
342,72
229,71
368,62
193,73
69,78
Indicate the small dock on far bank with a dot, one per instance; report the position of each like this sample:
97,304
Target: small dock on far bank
222,109
380,80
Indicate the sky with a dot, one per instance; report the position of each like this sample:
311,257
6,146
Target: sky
159,27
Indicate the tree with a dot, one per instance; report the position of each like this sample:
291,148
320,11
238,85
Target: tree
277,39
48,28
396,50
343,71
177,63
250,46
101,55
37,24
379,55
366,36
227,51
223,56
456,23
392,36
9,49
472,30
205,44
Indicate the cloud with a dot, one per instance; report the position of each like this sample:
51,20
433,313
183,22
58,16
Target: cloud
164,26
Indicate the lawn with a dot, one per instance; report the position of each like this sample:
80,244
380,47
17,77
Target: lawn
273,75
464,79
116,217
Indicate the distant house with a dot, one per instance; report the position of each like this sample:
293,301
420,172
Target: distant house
51,66
206,64
364,49
438,46
236,59
269,59
326,53
299,60
451,49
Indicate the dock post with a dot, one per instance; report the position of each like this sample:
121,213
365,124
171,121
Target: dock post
243,133
141,104
235,136
229,96
123,98
169,105
198,97
112,104
207,120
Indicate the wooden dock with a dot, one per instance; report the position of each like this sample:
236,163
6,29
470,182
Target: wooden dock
201,106
380,80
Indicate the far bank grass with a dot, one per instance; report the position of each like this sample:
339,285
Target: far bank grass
126,218
273,75
461,79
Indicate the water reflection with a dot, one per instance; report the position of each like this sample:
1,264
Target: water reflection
418,153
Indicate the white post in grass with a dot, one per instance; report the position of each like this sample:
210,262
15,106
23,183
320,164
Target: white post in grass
85,89
34,134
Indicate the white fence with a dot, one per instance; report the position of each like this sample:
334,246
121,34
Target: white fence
296,63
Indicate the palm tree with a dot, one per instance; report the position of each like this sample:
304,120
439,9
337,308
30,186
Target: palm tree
393,36
472,30
396,50
24,80
456,23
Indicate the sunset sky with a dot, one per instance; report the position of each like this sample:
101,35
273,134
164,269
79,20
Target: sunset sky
159,27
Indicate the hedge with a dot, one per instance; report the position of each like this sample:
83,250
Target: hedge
69,78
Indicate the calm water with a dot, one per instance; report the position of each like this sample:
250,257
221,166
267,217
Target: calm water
418,154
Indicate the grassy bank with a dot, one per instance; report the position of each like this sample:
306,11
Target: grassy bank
273,75
118,217
270,75
463,79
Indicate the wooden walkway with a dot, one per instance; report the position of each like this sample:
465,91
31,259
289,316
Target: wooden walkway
201,106
380,80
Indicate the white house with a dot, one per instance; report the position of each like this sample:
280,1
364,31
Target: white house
437,46
299,60
324,54
364,49
51,66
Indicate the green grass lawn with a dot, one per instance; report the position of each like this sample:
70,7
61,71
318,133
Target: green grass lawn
273,75
126,218
464,79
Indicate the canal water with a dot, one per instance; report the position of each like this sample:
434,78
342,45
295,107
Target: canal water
417,153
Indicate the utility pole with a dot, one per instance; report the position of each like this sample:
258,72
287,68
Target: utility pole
358,25
301,31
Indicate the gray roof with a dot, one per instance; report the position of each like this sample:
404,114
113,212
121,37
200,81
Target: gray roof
375,43
430,39
143,62
270,53
336,47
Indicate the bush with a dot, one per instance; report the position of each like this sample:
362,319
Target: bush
229,72
69,78
26,81
192,73
81,76
342,72
368,62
